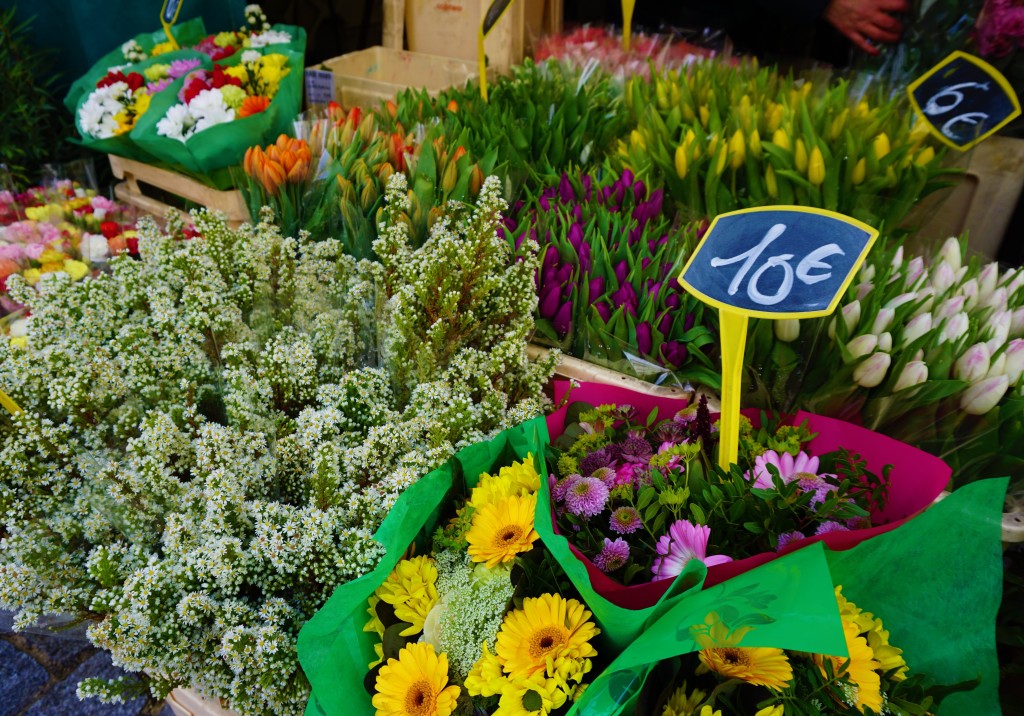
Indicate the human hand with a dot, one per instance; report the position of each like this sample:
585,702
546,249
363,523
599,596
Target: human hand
864,20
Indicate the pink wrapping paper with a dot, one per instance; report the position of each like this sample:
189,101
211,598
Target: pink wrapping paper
916,480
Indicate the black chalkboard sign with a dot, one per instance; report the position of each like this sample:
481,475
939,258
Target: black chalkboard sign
964,100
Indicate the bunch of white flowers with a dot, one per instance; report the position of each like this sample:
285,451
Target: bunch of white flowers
207,109
212,434
96,115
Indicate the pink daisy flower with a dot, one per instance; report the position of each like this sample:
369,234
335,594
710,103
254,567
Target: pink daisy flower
789,467
685,541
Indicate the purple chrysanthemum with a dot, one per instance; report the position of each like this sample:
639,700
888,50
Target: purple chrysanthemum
612,556
180,68
625,520
605,475
586,497
830,526
636,448
558,491
154,87
684,542
595,461
817,484
788,537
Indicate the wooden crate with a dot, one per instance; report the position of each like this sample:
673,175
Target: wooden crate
186,702
130,192
450,27
368,77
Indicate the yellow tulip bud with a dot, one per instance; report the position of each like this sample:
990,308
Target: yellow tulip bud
755,144
881,145
737,150
859,170
781,139
816,167
838,123
720,161
688,114
800,156
919,132
775,115
862,109
675,94
925,157
689,139
681,161
806,89
705,115
661,94
744,112
770,183
636,140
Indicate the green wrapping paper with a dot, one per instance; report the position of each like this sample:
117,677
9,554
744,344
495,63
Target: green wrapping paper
209,154
936,582
619,626
790,603
333,648
186,33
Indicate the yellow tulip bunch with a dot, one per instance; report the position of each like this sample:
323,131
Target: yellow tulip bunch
723,137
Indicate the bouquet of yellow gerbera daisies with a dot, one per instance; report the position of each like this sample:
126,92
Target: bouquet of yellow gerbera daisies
447,637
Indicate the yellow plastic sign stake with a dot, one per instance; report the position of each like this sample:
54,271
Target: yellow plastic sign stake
9,404
169,16
627,24
771,262
963,100
491,17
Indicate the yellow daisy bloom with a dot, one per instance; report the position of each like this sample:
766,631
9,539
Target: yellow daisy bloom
757,665
533,696
411,589
683,703
503,530
415,684
772,710
162,48
238,72
548,630
871,628
76,269
486,677
862,671
519,478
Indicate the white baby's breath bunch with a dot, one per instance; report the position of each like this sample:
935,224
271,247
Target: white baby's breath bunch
212,434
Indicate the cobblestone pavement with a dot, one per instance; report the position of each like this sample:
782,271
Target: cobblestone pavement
39,674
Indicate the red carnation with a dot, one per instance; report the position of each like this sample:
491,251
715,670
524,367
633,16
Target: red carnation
110,229
221,52
133,244
220,78
193,87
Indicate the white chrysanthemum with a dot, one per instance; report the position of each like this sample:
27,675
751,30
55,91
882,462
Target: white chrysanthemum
250,56
270,37
210,109
177,123
96,115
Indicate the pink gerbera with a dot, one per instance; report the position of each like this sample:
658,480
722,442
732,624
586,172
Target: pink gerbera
685,541
790,468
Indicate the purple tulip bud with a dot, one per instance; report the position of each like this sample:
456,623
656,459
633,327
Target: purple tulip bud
575,236
639,190
645,262
519,240
620,194
517,208
577,212
545,204
653,288
644,342
565,190
585,257
606,192
688,322
549,301
665,323
626,178
626,297
596,288
550,259
656,201
634,235
510,223
672,300
549,277
588,186
603,310
666,269
563,319
621,270
564,273
674,353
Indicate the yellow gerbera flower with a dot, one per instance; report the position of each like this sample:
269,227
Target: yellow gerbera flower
503,530
757,665
533,696
519,478
415,684
411,589
549,629
486,677
872,629
683,703
772,710
862,671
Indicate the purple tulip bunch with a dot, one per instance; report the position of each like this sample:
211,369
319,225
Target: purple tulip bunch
606,285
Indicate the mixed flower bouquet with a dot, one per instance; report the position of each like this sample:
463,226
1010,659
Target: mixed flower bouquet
588,44
606,286
445,615
638,500
723,137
